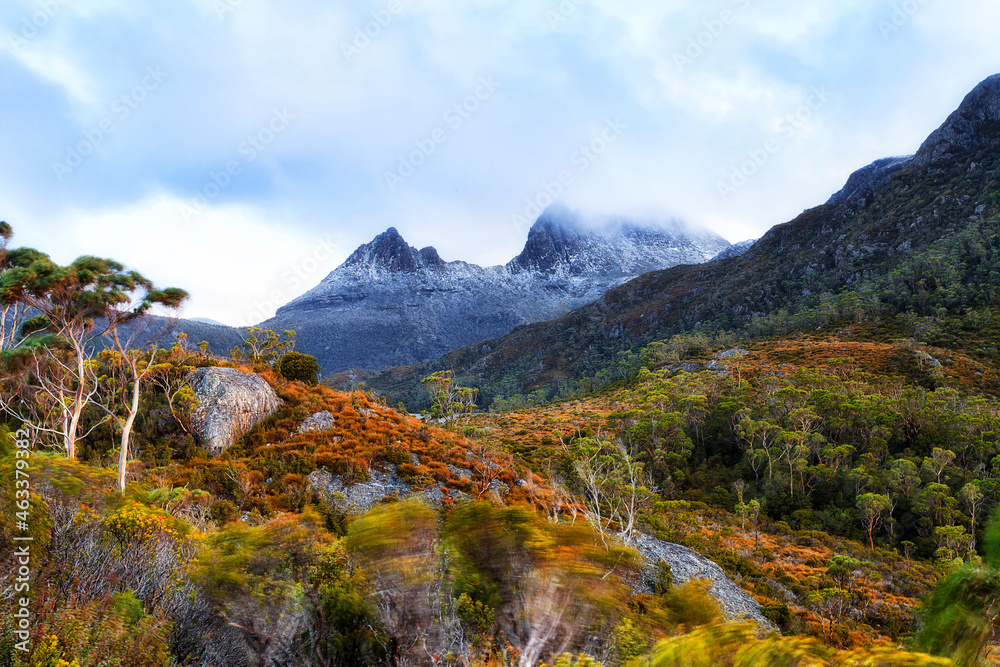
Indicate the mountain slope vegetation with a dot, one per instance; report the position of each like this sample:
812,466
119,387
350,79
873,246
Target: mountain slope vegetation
916,253
818,416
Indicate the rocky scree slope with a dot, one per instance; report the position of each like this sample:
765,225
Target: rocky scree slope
391,304
686,565
886,214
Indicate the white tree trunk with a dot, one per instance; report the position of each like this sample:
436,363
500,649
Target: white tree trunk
127,433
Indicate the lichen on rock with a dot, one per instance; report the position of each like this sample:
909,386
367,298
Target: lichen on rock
319,422
230,404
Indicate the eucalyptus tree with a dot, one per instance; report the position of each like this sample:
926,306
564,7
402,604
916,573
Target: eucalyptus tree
71,308
129,333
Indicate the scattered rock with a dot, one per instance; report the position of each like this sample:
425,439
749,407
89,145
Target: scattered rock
360,497
461,473
729,354
716,367
436,496
321,421
687,564
230,404
498,490
933,362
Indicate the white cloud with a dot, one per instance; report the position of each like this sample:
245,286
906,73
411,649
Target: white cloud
235,261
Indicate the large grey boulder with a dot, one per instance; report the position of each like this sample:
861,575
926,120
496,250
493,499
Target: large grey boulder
361,497
230,404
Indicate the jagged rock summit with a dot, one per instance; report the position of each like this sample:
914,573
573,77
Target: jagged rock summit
974,126
389,252
390,304
558,243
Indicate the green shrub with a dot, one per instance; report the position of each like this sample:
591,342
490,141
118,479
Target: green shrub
223,512
89,634
691,605
663,580
298,366
475,616
630,640
735,565
777,613
129,606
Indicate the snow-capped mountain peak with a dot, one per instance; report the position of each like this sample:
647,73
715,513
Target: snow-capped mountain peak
390,304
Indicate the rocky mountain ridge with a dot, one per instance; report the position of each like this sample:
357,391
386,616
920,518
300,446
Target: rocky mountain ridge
736,249
876,226
972,126
391,304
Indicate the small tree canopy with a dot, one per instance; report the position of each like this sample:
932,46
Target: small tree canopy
298,366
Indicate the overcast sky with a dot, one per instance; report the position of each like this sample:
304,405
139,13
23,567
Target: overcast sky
241,149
